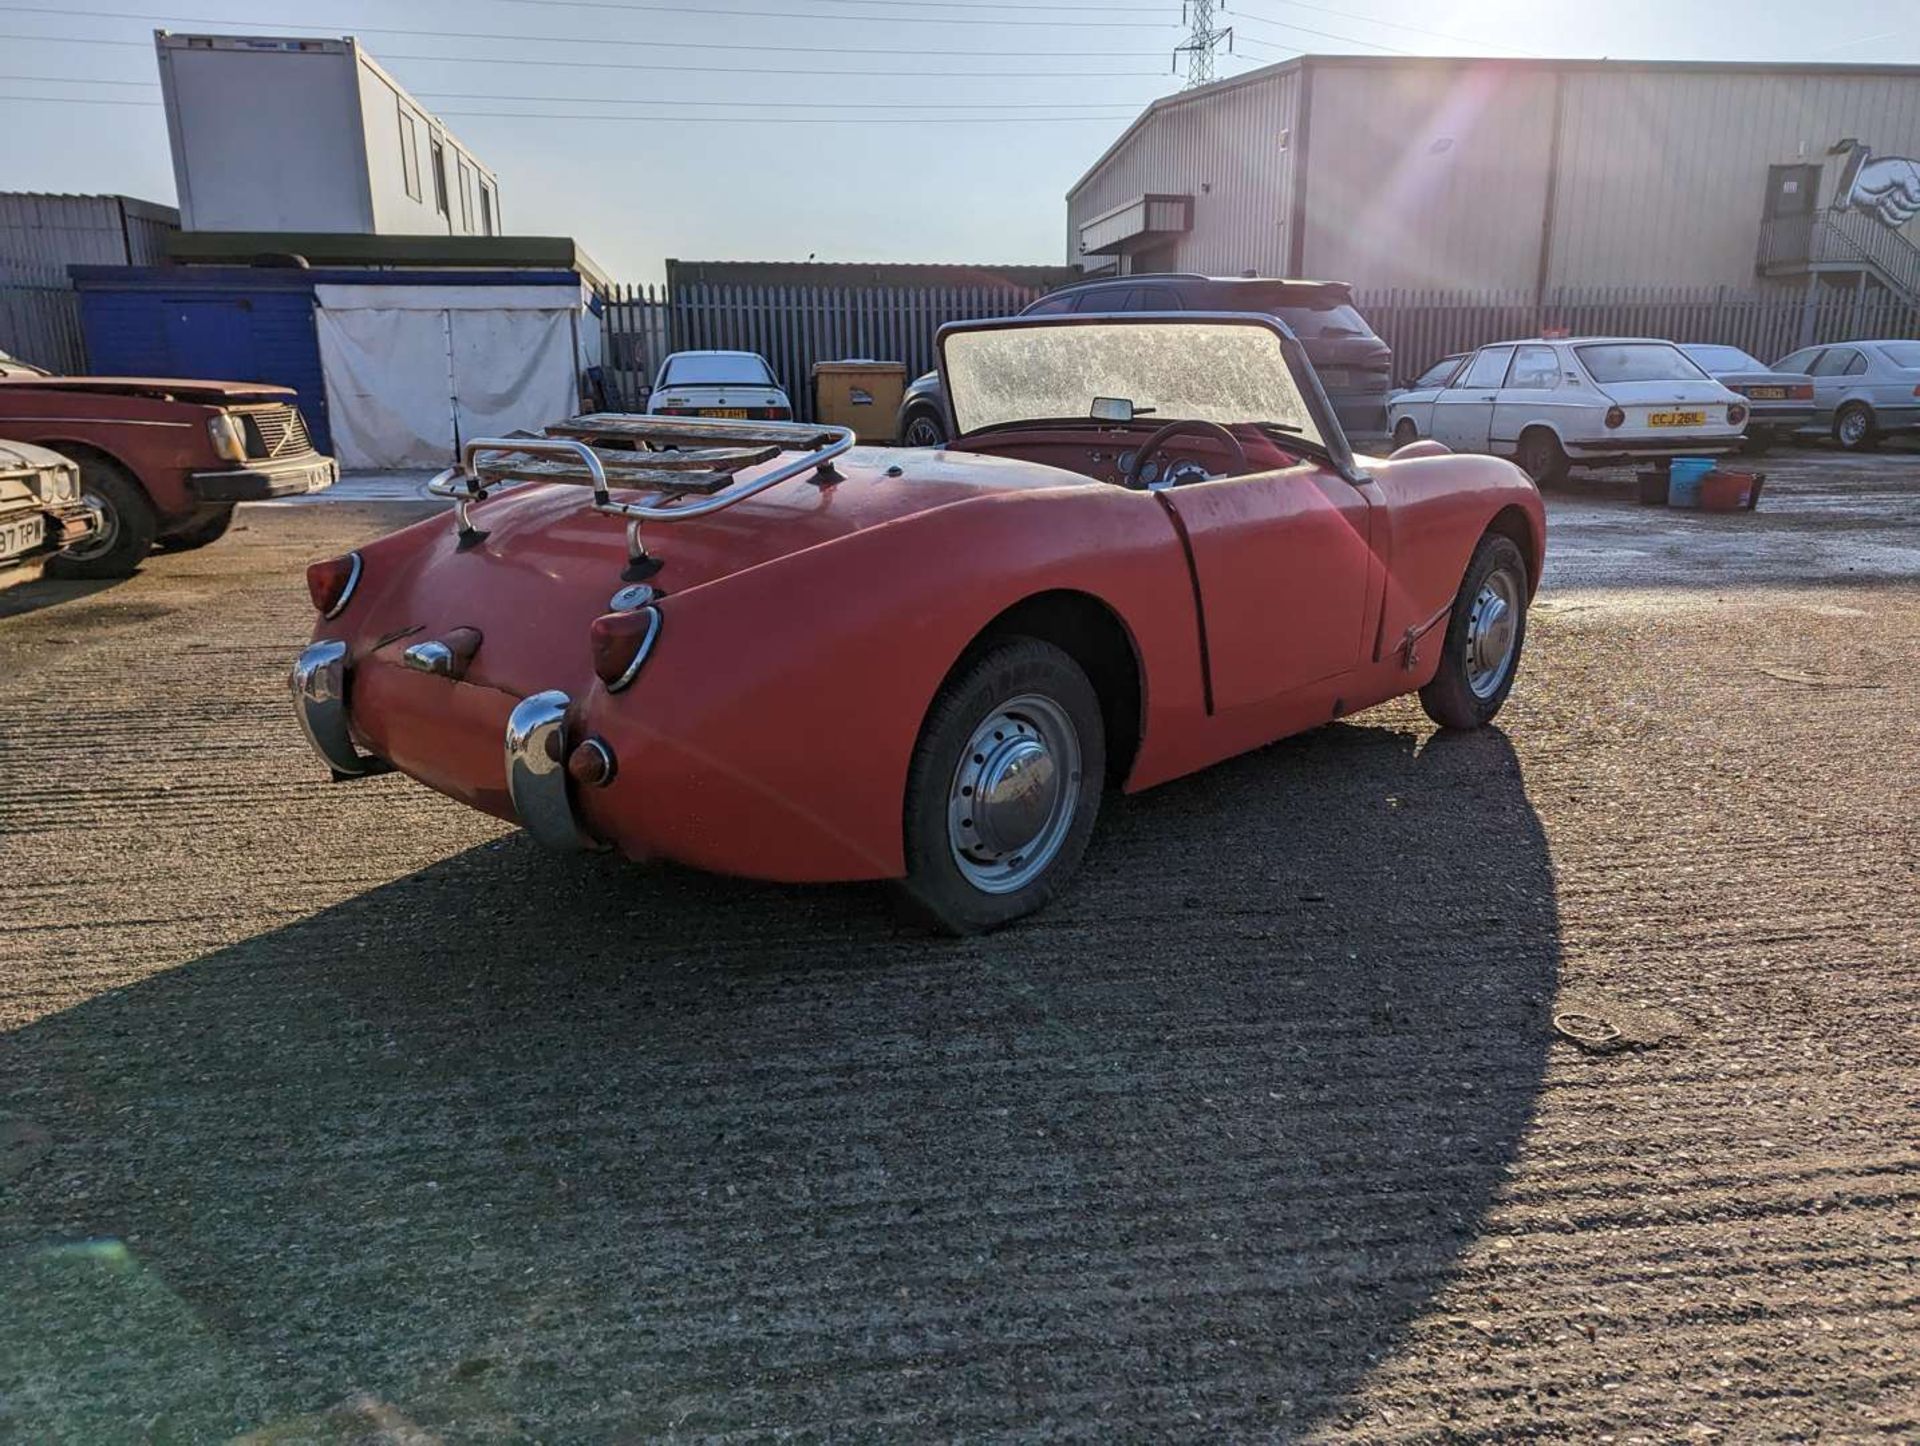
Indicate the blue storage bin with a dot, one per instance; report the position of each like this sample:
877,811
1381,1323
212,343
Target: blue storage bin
1683,490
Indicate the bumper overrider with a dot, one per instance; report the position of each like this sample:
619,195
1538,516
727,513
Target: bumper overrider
535,745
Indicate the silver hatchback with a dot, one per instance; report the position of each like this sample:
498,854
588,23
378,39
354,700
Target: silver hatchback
1862,390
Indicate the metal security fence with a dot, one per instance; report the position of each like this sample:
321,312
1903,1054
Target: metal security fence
791,326
1423,326
40,323
794,326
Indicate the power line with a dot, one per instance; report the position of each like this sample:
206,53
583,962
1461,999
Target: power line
250,25
668,118
1385,24
677,69
1251,19
676,102
650,8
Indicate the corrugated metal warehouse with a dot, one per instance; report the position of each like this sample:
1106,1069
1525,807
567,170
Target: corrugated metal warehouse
1509,175
40,236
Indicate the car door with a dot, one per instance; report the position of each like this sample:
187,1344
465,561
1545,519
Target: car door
1463,412
1830,380
1282,561
1528,397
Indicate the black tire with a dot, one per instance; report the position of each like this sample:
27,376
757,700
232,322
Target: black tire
1756,444
1405,434
128,525
937,889
924,427
199,532
1853,428
1541,457
1451,699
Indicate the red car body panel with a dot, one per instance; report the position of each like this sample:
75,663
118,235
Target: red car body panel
806,631
154,427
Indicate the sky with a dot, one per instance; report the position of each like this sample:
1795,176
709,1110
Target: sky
841,130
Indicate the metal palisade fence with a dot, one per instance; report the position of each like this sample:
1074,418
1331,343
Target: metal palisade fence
794,326
791,326
1424,326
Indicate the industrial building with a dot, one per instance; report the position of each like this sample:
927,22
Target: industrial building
1519,176
271,134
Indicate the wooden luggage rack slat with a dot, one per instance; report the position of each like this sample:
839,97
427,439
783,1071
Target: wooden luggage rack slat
688,465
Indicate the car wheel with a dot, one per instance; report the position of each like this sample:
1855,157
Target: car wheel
127,525
1004,787
1756,444
923,429
1541,456
1405,434
1853,428
1485,633
198,534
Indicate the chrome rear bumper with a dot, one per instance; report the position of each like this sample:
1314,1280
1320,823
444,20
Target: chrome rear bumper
319,686
536,746
537,779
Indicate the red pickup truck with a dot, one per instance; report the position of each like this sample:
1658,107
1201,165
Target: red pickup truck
162,461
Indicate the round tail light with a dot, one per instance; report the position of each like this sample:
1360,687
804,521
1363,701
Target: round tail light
1736,414
620,643
1615,417
331,583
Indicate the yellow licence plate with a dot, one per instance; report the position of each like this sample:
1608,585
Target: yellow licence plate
739,414
1676,419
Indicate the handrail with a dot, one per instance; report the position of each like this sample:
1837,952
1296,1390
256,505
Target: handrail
463,485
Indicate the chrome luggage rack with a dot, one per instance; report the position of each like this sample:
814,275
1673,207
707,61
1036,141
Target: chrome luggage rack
687,465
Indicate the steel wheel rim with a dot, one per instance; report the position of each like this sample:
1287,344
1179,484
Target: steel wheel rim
921,432
103,540
1493,627
1015,794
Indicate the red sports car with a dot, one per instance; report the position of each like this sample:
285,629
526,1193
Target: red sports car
1150,548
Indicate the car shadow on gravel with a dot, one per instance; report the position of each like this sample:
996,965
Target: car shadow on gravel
523,1145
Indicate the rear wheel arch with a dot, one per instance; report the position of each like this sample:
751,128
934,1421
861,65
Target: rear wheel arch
1090,632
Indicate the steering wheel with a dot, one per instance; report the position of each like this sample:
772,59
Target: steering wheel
1173,429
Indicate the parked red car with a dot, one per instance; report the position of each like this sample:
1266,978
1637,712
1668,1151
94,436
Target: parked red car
1150,548
162,461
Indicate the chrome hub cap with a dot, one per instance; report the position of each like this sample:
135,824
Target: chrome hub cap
109,520
1491,629
1014,794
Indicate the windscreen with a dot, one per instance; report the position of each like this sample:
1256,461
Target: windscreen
716,368
1208,371
1724,359
1638,361
1902,354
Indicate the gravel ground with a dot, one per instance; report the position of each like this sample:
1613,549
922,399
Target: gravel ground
339,1113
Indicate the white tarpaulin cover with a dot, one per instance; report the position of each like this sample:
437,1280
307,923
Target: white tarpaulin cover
413,371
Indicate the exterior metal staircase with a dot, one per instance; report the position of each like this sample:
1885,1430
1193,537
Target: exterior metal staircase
1851,242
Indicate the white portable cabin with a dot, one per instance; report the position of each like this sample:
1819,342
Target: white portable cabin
276,134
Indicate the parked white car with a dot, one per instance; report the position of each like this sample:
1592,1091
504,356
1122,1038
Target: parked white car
737,384
1584,401
1862,390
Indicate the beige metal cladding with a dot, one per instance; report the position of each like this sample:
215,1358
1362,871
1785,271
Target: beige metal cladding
1231,148
1663,173
1425,176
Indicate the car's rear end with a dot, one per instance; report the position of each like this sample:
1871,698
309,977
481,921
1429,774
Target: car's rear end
733,386
1778,403
1661,405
